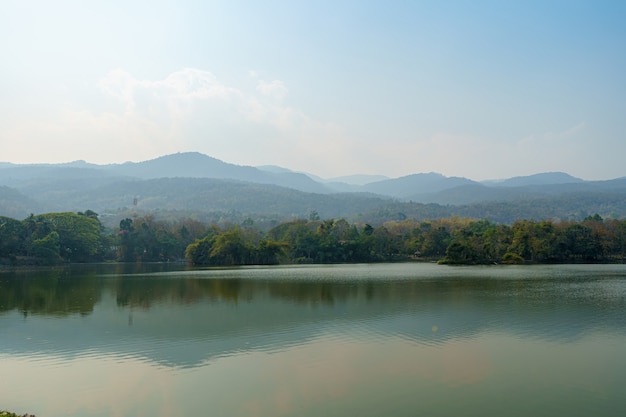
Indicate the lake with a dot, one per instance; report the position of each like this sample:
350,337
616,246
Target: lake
334,340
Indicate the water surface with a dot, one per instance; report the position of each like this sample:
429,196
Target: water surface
367,340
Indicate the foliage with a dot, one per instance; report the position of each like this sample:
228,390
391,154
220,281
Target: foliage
47,248
79,237
12,234
146,239
512,259
305,241
592,240
52,238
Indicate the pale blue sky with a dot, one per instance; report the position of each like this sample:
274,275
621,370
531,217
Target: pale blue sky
481,89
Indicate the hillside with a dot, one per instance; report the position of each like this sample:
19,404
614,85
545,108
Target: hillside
16,205
196,184
409,186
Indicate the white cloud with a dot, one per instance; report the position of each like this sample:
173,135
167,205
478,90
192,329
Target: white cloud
185,92
175,92
275,89
189,110
192,110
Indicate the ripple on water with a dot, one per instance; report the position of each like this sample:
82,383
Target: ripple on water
436,328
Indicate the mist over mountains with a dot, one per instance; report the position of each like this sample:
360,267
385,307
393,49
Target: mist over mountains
198,185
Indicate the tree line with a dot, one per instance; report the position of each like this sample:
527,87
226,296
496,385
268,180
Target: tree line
80,237
55,238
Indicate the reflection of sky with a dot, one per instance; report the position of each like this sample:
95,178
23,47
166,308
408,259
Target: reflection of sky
358,346
270,314
335,375
187,335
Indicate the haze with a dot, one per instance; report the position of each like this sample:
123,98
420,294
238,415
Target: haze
483,90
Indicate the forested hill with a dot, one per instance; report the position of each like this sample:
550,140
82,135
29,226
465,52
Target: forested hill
571,207
196,184
16,205
180,165
237,200
211,195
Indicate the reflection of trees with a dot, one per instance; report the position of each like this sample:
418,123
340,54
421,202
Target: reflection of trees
49,291
143,292
147,291
65,291
312,292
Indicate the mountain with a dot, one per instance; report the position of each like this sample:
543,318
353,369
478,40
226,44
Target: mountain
273,168
546,178
15,204
23,175
341,184
411,186
227,200
186,164
476,193
197,165
193,184
358,179
180,165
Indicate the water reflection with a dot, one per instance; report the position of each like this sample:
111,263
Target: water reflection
51,291
308,341
208,303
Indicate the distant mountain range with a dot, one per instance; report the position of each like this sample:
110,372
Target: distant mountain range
196,183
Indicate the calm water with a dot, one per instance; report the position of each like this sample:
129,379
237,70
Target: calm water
360,340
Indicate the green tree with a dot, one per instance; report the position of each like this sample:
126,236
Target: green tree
460,253
521,243
127,241
581,243
47,248
435,242
270,251
79,235
12,235
230,248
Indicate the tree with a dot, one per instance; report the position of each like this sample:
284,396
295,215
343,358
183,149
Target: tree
435,242
12,235
47,248
127,244
229,248
459,253
521,243
581,243
314,215
269,251
79,236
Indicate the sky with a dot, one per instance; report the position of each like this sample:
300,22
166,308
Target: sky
478,89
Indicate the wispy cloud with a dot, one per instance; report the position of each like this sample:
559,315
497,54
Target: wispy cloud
190,109
274,89
176,90
551,139
189,90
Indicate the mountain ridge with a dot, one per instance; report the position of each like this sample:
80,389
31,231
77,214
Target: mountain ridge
179,182
191,159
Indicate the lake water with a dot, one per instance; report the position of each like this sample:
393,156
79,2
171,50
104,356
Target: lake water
343,340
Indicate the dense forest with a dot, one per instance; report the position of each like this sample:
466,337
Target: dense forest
55,238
